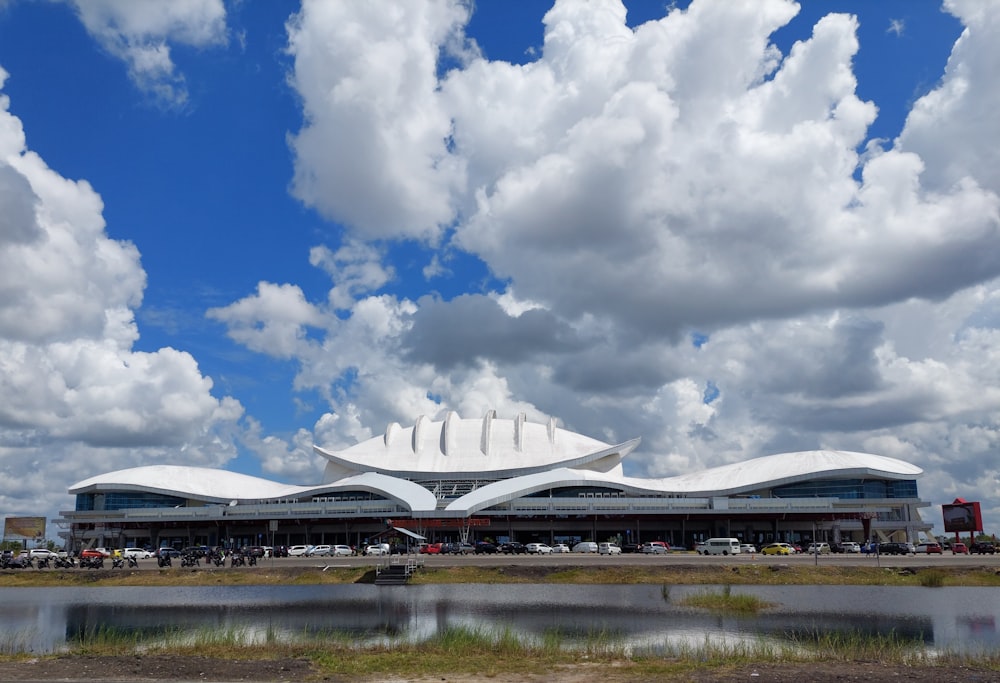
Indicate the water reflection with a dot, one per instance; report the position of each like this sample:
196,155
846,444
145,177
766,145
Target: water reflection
647,617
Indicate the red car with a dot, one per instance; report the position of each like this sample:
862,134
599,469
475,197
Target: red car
930,548
431,549
91,552
959,549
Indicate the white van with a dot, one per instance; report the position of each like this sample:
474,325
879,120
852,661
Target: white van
721,546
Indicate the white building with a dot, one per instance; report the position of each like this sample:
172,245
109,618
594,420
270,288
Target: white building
502,479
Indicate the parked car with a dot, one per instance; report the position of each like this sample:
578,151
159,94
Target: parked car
513,548
748,548
484,548
299,550
849,547
341,551
818,549
982,548
560,548
539,549
376,549
466,548
608,549
137,553
631,547
431,549
930,548
585,547
319,550
41,553
653,549
91,552
777,549
892,548
959,549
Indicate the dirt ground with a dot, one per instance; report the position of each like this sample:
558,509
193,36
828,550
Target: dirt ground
178,669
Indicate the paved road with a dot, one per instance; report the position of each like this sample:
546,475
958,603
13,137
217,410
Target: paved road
589,559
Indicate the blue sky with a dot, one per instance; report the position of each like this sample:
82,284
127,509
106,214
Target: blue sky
230,230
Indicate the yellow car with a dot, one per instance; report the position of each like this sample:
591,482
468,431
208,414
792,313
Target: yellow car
777,549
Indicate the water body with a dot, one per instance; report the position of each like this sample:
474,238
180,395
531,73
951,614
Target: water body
646,617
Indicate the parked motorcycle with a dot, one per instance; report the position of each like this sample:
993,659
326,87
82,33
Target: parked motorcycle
91,563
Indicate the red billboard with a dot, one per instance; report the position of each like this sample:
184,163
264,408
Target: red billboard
962,516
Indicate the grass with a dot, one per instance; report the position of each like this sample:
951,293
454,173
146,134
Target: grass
203,576
762,574
489,653
933,578
714,574
725,601
485,654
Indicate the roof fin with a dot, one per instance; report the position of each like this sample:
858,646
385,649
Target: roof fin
552,431
418,433
486,438
519,433
391,431
449,437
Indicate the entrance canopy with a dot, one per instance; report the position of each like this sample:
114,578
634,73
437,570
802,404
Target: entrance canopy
409,533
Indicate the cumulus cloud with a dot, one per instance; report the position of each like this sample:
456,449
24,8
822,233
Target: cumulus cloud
141,33
700,244
355,269
367,74
78,399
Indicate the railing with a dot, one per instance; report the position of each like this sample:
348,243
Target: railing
411,563
221,512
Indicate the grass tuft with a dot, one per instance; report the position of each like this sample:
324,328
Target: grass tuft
933,578
726,601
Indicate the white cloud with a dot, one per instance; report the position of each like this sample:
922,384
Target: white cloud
274,321
140,34
637,186
78,399
367,77
947,126
292,462
356,269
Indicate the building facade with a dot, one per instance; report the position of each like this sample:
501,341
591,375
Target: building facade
502,479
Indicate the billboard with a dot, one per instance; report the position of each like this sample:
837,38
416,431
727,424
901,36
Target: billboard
962,517
23,528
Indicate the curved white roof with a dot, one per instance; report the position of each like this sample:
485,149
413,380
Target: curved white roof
786,468
489,447
752,475
221,486
202,483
